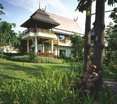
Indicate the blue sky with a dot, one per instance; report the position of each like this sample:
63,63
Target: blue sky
17,11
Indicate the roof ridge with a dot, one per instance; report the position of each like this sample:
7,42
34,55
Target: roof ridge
60,16
50,13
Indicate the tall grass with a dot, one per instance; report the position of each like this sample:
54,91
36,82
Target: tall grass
51,88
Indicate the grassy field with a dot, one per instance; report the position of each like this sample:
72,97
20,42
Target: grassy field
37,83
28,71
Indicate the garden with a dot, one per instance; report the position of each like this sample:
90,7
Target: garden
89,76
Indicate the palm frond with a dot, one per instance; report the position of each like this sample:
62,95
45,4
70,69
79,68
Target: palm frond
83,5
111,2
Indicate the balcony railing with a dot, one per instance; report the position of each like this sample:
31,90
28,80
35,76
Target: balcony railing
37,30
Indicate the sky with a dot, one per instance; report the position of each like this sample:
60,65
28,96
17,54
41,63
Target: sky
18,11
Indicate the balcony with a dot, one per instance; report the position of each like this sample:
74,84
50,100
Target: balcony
42,33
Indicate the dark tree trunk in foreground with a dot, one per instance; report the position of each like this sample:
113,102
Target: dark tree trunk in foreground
87,41
92,78
99,33
91,81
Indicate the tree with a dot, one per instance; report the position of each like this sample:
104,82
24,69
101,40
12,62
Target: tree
99,33
84,5
98,42
112,38
7,34
77,44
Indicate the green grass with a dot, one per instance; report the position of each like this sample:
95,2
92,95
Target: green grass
27,71
34,83
110,72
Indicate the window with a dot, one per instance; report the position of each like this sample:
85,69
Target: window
62,53
61,37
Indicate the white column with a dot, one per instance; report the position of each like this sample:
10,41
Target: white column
52,47
57,46
43,48
36,49
28,50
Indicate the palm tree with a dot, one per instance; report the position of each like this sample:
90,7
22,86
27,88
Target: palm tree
87,42
98,31
85,5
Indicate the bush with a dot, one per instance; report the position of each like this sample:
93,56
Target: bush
31,57
3,56
50,60
21,58
110,71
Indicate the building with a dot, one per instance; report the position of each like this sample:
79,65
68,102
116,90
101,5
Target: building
8,49
49,34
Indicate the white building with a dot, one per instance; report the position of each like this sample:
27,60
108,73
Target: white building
48,34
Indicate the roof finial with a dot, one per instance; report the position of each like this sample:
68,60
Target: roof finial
42,5
39,5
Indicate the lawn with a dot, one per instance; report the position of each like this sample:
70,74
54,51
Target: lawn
37,83
28,71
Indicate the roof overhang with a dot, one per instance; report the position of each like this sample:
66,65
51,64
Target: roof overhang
40,19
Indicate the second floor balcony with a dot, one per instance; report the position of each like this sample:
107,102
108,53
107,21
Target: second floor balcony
42,33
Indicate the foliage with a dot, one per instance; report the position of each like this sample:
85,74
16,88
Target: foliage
105,96
50,60
31,57
76,67
77,44
110,71
44,91
7,34
111,51
84,4
52,88
29,83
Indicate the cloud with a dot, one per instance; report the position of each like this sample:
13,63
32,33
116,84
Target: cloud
55,6
30,5
59,7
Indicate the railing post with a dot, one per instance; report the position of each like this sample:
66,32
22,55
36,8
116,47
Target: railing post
28,49
36,48
52,47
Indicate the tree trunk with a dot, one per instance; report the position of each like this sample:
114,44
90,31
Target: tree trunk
99,33
91,81
99,40
87,41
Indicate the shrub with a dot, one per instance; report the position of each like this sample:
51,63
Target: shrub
32,57
3,56
49,60
21,58
110,71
